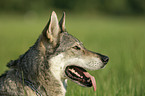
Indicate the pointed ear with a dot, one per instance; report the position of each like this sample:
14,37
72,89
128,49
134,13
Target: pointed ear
62,23
52,29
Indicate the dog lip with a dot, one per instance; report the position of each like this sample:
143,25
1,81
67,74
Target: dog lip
103,65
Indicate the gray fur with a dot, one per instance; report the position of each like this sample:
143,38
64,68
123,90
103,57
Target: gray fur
31,74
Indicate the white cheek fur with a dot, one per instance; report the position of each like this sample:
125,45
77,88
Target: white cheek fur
59,62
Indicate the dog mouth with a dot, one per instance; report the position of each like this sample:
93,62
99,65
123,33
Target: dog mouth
80,76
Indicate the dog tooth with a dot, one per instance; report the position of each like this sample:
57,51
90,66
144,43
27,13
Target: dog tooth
72,70
88,80
77,74
81,76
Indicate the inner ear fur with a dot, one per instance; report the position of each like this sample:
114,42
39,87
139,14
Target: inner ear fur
52,29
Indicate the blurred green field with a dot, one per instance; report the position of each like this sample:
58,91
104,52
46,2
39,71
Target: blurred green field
120,38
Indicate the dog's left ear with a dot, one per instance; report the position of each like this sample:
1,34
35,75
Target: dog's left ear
52,30
62,23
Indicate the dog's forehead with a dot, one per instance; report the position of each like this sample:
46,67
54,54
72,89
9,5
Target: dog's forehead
67,41
67,38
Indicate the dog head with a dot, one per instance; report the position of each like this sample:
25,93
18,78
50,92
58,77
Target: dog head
68,58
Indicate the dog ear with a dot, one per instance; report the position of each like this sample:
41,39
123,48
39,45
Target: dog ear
62,23
52,29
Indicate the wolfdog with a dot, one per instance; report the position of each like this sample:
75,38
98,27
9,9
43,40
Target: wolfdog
55,57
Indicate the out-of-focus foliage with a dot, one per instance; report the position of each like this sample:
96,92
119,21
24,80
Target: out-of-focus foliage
118,7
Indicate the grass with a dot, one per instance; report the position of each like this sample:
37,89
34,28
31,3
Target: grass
121,38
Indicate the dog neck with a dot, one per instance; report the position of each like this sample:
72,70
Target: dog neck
57,70
37,73
40,92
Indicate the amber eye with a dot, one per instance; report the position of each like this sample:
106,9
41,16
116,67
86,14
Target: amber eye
77,48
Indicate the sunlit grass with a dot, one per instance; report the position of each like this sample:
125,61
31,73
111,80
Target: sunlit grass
121,38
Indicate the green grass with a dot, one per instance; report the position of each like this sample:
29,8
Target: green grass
121,38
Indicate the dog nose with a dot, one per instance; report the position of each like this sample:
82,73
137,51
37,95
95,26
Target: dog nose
105,59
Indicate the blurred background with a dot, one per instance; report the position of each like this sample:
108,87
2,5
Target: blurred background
115,28
119,7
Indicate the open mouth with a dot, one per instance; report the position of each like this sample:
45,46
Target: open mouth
80,76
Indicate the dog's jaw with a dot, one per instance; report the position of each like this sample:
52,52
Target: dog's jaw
59,63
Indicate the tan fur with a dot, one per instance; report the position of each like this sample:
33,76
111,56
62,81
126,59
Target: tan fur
41,70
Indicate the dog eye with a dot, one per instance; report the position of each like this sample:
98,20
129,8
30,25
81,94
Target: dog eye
77,48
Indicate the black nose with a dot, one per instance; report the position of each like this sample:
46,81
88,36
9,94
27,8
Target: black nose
105,59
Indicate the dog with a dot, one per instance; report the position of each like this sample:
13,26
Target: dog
55,57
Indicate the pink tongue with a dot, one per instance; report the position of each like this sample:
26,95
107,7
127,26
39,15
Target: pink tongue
92,79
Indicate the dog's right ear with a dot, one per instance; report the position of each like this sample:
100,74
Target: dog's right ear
62,23
52,29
